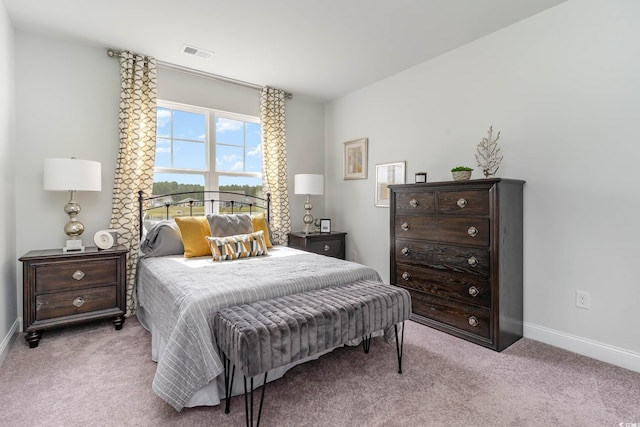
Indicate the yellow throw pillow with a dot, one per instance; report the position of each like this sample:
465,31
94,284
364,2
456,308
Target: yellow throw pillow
194,231
259,222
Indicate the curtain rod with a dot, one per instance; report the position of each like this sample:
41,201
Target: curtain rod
112,53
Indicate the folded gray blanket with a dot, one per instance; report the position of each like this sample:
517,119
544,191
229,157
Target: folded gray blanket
162,240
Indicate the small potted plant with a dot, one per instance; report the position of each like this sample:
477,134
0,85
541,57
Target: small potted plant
461,173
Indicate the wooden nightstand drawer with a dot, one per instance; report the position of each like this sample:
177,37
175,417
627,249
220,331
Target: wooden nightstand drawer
326,247
75,302
330,244
75,274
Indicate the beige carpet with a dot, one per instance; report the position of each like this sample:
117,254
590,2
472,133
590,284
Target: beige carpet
92,375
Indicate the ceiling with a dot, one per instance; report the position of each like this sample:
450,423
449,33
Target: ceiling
316,49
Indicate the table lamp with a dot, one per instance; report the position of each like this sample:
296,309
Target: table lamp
72,175
308,184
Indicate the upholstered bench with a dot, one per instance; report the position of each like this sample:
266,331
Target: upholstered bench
264,335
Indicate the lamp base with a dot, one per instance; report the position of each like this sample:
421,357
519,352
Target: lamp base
73,245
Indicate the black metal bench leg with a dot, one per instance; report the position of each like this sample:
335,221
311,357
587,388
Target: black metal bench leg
228,382
248,401
366,343
399,346
264,386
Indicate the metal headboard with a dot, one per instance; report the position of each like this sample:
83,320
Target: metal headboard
234,201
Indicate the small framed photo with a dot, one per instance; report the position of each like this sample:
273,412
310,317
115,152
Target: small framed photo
325,226
387,174
421,177
355,159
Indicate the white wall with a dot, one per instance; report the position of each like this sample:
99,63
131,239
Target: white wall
67,98
8,300
563,87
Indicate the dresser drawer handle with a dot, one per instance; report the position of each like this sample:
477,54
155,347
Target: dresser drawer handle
472,231
406,276
327,248
405,251
461,202
78,302
414,203
473,261
473,321
78,274
473,291
405,226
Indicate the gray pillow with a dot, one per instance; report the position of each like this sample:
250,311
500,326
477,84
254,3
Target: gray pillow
163,239
223,225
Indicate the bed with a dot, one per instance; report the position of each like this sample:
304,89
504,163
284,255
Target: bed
178,296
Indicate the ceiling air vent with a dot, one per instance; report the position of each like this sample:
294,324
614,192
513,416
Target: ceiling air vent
194,51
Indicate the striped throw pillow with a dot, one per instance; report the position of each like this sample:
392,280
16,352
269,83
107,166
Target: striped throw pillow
238,246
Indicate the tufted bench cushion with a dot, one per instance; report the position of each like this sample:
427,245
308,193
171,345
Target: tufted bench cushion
268,334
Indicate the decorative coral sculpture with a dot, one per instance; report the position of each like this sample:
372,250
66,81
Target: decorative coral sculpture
488,156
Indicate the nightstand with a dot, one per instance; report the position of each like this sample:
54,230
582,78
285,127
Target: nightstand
330,244
66,288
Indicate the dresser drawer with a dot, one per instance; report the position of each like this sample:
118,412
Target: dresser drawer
416,203
473,202
466,317
75,274
75,302
468,231
446,258
461,287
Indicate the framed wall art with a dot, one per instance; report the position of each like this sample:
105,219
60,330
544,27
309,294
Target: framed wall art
387,174
355,159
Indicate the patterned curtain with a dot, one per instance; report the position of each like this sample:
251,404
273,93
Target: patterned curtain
134,169
274,160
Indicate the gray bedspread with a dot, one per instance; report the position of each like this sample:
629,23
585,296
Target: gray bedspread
182,295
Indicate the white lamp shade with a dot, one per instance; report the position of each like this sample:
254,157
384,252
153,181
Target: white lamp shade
308,184
72,175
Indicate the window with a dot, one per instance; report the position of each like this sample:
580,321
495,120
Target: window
203,149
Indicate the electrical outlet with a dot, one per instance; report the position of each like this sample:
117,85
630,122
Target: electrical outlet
353,255
583,299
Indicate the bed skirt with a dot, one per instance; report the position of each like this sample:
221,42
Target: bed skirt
212,393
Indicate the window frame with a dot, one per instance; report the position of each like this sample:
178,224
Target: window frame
211,174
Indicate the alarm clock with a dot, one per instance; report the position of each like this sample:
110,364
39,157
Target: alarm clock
105,239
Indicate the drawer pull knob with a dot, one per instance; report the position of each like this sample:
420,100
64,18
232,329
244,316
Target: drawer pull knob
406,276
78,274
461,202
405,251
414,203
78,302
473,321
472,231
405,226
473,261
327,248
473,291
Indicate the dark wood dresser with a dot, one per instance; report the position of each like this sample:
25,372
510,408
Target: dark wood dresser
457,247
64,288
330,244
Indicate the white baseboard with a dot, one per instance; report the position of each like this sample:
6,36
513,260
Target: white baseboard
586,347
6,342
